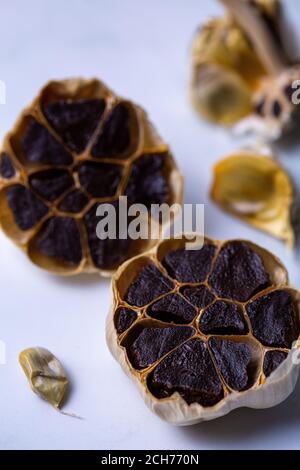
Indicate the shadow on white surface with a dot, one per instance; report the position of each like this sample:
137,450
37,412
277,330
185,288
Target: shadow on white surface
79,280
241,424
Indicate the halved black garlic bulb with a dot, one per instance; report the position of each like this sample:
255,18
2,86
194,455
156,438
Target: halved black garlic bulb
207,330
78,146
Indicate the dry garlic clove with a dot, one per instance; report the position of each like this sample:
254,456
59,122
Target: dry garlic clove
45,374
226,68
256,189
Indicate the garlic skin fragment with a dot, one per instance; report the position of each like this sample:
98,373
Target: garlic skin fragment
220,95
45,374
256,189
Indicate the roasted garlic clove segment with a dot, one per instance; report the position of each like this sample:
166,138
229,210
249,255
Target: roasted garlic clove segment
45,374
204,331
226,70
256,189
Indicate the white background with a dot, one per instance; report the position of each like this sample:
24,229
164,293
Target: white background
140,49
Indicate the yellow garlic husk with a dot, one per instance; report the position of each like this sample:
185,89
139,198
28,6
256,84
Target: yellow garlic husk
226,70
271,7
256,189
219,95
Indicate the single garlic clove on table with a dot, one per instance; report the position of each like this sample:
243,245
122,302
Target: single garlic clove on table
45,374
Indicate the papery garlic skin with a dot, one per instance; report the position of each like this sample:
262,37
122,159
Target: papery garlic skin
220,95
225,72
256,189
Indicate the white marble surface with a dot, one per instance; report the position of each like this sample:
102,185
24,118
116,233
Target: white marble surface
141,49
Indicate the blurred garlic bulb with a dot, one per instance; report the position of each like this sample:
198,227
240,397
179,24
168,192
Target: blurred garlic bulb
275,110
226,70
241,73
256,189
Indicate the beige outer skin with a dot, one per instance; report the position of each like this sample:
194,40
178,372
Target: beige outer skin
276,388
149,140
